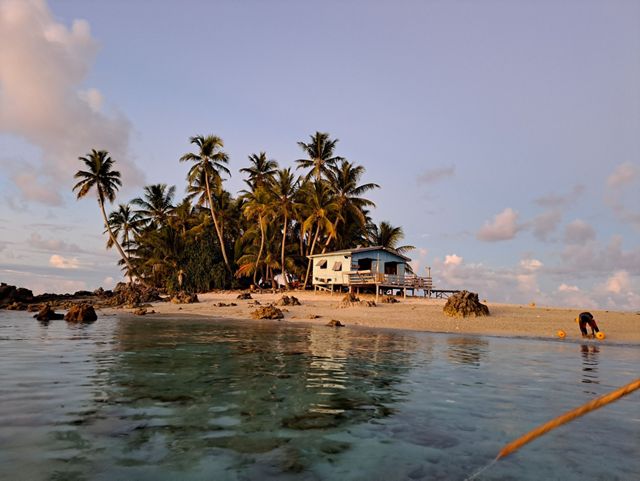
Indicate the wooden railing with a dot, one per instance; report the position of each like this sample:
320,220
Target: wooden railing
409,281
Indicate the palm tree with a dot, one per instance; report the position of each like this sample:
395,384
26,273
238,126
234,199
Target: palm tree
261,171
99,174
320,153
156,204
284,191
258,205
388,236
321,206
343,181
124,223
209,162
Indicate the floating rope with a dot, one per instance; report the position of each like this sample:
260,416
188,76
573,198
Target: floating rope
569,416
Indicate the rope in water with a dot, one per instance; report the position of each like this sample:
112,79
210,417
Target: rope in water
569,416
560,420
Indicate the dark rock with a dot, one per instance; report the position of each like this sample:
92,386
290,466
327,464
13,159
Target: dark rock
267,312
465,304
17,306
48,314
244,296
334,323
312,420
141,311
222,304
288,301
351,300
389,300
314,316
184,298
81,313
12,294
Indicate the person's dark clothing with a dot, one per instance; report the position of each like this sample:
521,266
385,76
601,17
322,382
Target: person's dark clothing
586,318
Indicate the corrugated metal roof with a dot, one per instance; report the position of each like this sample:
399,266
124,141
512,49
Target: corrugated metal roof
362,249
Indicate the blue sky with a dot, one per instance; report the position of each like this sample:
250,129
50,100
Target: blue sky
504,134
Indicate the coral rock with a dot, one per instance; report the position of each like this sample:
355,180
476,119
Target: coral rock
267,312
465,304
83,313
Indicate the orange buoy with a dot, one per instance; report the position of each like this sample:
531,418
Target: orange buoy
577,319
562,334
600,335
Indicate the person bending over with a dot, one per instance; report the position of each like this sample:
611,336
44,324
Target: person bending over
586,319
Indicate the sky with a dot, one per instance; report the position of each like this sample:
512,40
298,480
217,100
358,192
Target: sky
505,135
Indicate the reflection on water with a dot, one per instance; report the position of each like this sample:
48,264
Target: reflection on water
162,400
590,353
467,349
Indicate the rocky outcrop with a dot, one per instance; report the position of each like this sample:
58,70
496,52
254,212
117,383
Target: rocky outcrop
10,295
132,295
48,314
184,298
81,313
351,300
465,304
267,312
288,301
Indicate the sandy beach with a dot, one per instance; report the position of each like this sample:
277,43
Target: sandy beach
412,313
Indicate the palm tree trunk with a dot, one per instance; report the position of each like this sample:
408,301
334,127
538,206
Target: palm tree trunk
215,224
113,238
284,239
331,235
255,272
313,245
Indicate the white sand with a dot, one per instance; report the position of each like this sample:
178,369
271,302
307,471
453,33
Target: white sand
417,314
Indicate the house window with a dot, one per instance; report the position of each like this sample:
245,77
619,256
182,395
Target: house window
322,263
337,266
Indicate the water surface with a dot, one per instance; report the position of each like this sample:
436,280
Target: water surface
151,399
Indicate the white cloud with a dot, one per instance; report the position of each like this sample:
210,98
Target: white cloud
623,175
567,288
434,175
41,100
504,226
38,242
530,264
63,262
578,232
453,260
618,282
543,225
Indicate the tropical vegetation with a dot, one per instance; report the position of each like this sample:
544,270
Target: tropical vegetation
213,239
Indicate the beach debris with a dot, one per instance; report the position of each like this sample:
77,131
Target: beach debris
600,335
389,300
351,300
267,312
335,323
81,313
288,301
313,316
532,304
48,314
465,304
142,311
561,334
244,296
184,298
222,304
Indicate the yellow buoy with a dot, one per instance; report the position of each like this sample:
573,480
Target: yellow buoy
600,335
577,319
561,334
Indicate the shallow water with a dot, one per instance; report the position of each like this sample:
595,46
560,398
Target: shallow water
151,399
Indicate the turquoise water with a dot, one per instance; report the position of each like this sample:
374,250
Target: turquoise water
151,399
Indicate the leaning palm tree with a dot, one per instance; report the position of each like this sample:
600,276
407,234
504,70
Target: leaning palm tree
99,174
209,162
284,191
321,206
258,206
320,153
261,171
125,224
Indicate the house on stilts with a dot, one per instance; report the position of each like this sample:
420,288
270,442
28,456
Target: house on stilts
377,267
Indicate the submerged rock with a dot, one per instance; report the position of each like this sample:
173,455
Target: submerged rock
48,314
465,304
81,313
267,312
